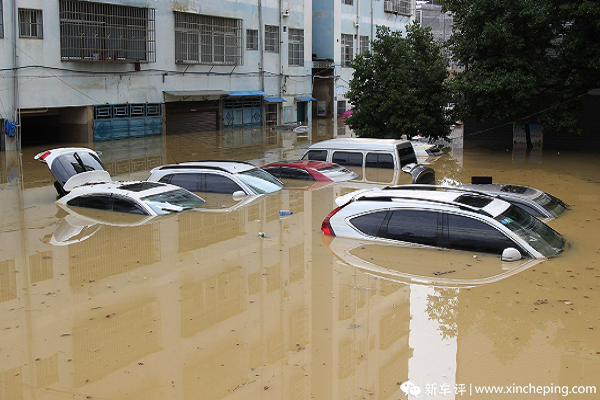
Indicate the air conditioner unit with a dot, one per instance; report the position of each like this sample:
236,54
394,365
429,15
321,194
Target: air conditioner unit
285,13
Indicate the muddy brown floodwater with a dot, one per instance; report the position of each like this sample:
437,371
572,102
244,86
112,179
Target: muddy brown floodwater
198,306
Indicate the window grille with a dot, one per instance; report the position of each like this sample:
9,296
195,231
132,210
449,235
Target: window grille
364,44
202,39
30,23
271,39
109,111
341,107
106,32
347,50
1,21
252,39
403,7
347,2
296,47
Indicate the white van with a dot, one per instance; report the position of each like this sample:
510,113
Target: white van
363,152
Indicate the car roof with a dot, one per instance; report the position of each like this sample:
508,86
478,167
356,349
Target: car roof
218,165
360,144
474,202
302,164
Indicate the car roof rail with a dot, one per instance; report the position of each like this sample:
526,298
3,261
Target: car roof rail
180,166
226,161
460,206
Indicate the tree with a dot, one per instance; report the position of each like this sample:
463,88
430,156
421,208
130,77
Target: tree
525,60
399,87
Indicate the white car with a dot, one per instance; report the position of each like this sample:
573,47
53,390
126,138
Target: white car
223,177
443,219
140,197
67,162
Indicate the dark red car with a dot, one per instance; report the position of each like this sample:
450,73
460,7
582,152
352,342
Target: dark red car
310,170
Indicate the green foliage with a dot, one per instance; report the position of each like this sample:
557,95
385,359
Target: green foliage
525,60
399,87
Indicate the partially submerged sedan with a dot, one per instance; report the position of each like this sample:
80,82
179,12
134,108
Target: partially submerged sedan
443,219
310,170
143,198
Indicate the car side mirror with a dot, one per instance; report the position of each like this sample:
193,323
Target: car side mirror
511,254
239,195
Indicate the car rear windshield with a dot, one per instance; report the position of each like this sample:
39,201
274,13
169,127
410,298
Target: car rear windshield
533,231
260,181
406,155
68,165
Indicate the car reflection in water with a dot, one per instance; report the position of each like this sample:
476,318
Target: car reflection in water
431,267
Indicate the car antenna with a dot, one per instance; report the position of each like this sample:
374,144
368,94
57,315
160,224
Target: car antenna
175,160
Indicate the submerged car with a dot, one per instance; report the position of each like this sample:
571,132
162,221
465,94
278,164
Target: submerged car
310,170
443,219
223,177
143,198
67,162
534,201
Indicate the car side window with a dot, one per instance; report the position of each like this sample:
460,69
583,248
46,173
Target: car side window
379,160
320,155
166,178
351,158
99,202
187,181
469,234
275,171
369,224
413,226
220,184
294,173
531,210
127,206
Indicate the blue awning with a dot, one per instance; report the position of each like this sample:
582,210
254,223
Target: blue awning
248,93
307,98
274,100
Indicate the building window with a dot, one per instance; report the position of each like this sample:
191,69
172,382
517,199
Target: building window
347,2
203,39
1,21
106,32
252,39
296,47
30,23
271,115
403,7
341,107
272,39
347,50
364,44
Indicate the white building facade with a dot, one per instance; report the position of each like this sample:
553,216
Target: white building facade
342,29
88,71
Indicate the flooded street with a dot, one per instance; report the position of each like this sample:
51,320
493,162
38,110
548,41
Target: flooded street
198,305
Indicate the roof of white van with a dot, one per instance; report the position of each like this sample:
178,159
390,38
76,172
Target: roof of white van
359,144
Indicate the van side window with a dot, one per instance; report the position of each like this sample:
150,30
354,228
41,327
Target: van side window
320,155
353,159
406,155
378,160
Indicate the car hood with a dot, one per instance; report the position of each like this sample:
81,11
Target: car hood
85,178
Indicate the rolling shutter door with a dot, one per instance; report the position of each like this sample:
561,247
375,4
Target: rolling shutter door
189,117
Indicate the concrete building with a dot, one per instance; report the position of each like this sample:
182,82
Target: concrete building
341,29
83,71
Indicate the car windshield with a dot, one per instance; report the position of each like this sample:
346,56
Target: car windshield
550,203
68,165
537,234
260,181
175,200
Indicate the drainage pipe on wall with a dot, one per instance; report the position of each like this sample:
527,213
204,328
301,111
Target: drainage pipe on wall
15,68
